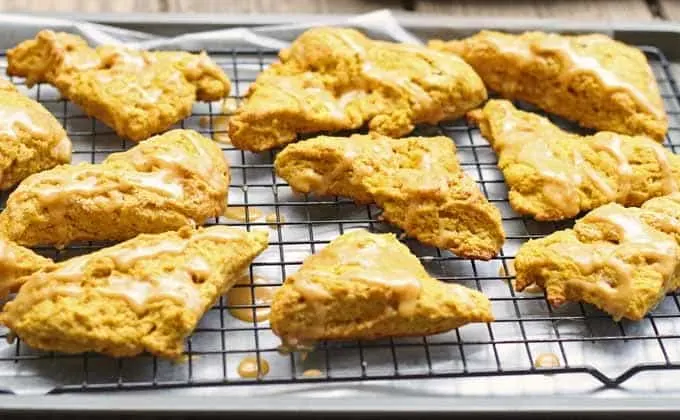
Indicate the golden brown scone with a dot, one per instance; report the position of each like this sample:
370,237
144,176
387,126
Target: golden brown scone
368,286
16,263
334,79
554,175
591,79
146,294
137,93
622,260
172,180
32,139
417,181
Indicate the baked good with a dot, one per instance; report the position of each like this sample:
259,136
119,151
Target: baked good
622,260
333,79
591,79
17,262
172,180
553,174
417,181
146,294
137,93
32,139
369,286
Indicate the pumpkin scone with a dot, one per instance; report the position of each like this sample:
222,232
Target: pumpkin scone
555,175
622,260
417,181
16,263
369,286
137,93
146,294
333,79
172,180
32,139
591,79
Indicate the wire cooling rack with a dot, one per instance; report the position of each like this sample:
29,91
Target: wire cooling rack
583,339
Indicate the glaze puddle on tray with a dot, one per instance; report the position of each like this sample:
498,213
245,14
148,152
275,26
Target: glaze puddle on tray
244,296
248,368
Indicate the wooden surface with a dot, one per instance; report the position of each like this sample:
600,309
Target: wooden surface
281,6
638,10
80,5
670,9
570,9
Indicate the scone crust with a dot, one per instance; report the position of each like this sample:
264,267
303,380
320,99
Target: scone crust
137,93
146,294
172,180
591,79
333,79
347,305
417,181
32,139
16,264
554,175
622,260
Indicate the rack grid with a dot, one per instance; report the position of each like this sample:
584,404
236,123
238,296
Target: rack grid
582,338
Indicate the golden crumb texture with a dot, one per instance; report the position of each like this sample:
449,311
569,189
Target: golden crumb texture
622,260
369,286
591,79
16,263
172,180
137,93
32,139
417,181
143,295
333,79
553,174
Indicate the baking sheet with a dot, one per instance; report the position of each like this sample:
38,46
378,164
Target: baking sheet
525,328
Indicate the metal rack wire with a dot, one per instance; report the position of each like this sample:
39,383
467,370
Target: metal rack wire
525,327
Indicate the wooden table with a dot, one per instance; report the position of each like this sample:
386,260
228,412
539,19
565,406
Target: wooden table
602,10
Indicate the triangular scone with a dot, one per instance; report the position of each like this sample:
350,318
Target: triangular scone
334,79
622,260
32,139
554,175
417,181
17,262
176,179
146,294
368,286
137,93
591,79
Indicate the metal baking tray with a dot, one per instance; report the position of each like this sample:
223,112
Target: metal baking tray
478,369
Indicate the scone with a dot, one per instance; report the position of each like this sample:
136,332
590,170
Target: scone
369,286
146,294
16,263
32,139
137,93
622,260
172,180
591,79
554,175
334,79
417,181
